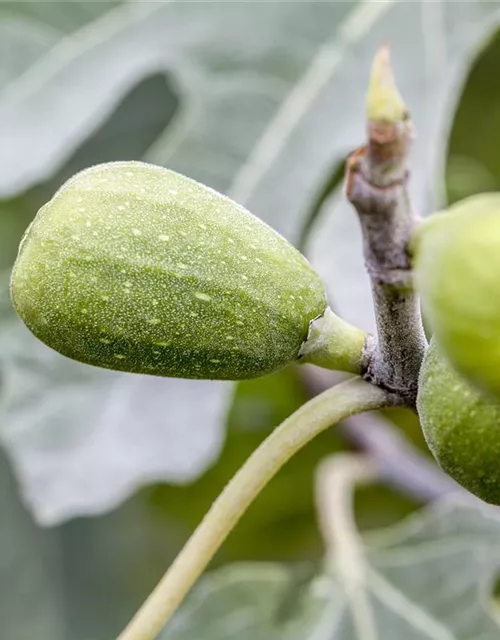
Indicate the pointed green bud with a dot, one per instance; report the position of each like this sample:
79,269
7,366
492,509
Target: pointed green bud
384,103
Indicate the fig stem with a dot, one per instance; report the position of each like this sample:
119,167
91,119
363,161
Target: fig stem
333,343
377,186
336,480
401,465
339,402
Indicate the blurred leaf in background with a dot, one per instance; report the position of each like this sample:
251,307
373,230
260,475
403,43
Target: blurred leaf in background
262,101
431,62
432,576
238,107
474,161
87,438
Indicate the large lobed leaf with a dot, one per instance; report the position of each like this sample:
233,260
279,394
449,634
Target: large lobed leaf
430,578
83,579
431,62
84,439
271,98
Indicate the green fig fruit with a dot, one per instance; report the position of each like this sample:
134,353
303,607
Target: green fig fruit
457,272
137,268
461,426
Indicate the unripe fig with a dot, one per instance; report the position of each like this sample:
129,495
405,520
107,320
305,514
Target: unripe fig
457,272
134,267
461,426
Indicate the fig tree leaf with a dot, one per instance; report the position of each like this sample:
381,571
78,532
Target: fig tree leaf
254,110
30,573
270,96
431,61
429,578
29,30
83,439
261,125
341,264
57,99
73,454
79,581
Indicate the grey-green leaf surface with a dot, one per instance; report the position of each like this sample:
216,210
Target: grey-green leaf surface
429,578
271,96
280,110
79,581
431,61
83,439
227,103
83,579
254,110
29,568
29,30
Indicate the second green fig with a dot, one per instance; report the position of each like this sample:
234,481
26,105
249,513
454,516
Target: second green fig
457,272
461,426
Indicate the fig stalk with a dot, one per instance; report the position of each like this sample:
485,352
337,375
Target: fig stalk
333,343
346,399
376,185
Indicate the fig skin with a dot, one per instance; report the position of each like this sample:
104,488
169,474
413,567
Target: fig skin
137,268
461,426
456,259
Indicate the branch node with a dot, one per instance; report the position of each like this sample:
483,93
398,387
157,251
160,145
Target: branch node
377,186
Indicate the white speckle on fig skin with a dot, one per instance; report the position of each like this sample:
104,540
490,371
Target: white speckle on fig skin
202,296
162,279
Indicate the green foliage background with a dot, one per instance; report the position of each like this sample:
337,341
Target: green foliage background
82,578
